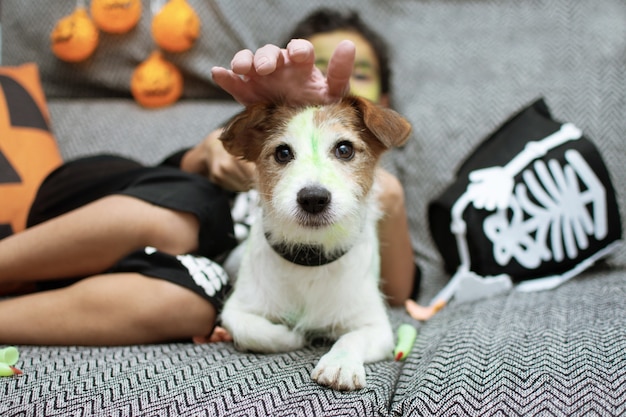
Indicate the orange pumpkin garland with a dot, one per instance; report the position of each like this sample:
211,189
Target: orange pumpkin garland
116,16
156,82
74,37
176,26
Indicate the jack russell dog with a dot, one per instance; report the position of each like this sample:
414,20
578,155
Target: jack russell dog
311,265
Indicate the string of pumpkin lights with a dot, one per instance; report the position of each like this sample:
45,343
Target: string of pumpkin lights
175,27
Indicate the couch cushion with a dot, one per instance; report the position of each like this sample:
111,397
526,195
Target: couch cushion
556,353
186,380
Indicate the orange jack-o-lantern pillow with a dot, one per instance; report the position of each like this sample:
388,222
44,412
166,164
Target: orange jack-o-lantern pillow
28,150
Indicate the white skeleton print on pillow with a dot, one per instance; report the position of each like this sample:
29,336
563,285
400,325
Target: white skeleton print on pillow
544,213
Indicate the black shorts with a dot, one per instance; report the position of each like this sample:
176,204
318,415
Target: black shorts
85,180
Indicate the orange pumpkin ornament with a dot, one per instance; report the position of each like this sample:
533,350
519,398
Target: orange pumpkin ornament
176,26
156,82
116,16
74,37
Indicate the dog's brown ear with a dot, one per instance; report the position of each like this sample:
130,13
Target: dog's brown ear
244,134
386,124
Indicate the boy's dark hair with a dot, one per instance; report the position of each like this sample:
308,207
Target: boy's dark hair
327,20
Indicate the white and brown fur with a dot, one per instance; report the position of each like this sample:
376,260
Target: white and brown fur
314,191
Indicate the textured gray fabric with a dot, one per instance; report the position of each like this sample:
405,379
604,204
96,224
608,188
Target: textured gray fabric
147,135
183,380
558,353
460,69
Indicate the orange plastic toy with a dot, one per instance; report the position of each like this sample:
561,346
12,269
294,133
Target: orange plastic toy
423,313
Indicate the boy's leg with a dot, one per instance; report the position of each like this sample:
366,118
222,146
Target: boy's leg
112,309
92,238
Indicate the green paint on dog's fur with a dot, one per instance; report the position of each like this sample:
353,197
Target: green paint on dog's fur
305,129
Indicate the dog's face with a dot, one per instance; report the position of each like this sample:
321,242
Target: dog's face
315,165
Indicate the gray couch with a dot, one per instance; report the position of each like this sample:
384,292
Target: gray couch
460,69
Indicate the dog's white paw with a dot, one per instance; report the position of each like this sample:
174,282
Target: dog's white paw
255,333
269,338
340,371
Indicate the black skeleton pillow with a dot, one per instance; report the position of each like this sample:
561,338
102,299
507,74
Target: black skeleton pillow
532,205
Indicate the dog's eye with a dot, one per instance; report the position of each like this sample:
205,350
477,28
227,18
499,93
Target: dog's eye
283,154
344,150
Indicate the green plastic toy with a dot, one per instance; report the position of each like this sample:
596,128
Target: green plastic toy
9,357
406,339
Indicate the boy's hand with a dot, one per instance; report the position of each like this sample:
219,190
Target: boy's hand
210,159
288,75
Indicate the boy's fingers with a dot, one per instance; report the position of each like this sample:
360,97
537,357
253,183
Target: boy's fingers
300,51
225,78
267,59
242,62
232,84
340,69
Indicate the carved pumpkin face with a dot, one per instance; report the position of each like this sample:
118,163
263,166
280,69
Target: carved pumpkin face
28,151
116,16
156,82
74,37
176,27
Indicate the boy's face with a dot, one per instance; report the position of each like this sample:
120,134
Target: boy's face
365,80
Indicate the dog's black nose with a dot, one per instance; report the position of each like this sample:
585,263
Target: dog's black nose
313,199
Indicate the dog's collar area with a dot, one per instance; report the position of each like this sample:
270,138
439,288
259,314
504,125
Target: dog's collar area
305,255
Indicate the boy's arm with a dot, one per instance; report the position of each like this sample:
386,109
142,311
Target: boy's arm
210,159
